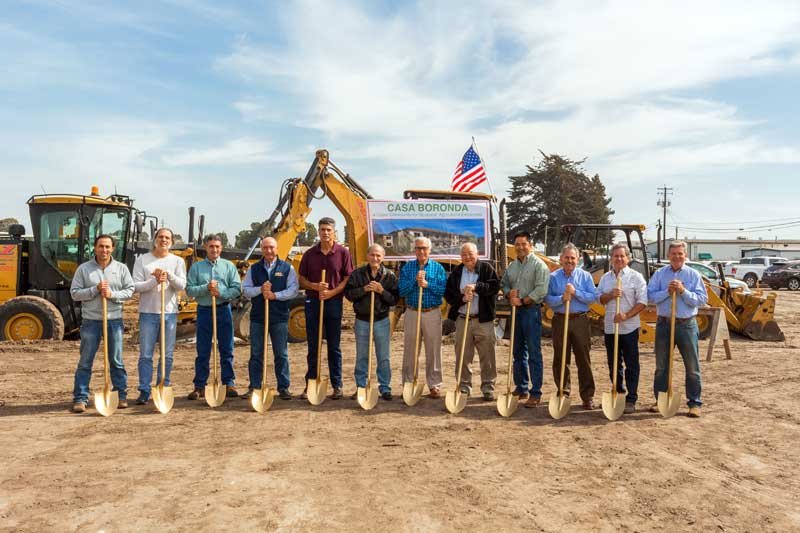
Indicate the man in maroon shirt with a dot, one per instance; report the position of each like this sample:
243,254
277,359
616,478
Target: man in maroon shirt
335,260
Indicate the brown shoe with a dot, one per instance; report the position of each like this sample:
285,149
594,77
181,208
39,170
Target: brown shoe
196,394
304,394
435,393
524,397
123,404
247,395
231,392
694,412
588,404
78,407
337,394
533,401
653,408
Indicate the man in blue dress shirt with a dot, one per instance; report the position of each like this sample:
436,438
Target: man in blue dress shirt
575,285
687,284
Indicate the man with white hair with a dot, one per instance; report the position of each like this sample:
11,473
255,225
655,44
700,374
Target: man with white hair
369,279
431,277
690,293
633,299
476,282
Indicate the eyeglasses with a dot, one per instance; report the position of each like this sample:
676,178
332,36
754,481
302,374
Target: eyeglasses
420,247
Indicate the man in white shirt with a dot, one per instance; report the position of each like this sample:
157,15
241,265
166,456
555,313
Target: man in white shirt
633,299
149,271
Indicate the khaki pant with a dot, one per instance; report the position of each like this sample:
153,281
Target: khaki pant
579,340
480,336
431,335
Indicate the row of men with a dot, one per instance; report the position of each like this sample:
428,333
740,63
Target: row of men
527,283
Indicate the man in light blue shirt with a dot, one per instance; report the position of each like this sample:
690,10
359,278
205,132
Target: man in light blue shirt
690,293
575,285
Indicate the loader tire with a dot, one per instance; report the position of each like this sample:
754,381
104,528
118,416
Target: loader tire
297,320
704,325
30,318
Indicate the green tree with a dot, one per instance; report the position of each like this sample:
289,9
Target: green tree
308,237
6,222
246,237
555,192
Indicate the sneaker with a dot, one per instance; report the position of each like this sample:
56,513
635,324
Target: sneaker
284,394
232,392
143,398
196,394
435,393
337,393
694,412
630,408
123,404
533,401
488,396
465,390
247,395
387,396
78,407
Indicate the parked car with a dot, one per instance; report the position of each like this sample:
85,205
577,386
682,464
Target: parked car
713,276
750,269
724,263
783,275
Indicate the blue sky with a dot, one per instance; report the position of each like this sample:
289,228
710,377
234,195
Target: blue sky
214,104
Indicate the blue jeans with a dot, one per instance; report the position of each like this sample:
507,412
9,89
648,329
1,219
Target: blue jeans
381,336
149,334
224,345
332,332
91,336
628,359
528,351
279,335
686,336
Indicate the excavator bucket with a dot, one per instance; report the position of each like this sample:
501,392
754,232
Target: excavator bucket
758,318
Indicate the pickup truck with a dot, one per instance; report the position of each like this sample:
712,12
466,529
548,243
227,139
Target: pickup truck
750,269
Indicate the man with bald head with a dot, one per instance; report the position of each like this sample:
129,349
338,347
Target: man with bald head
275,281
477,282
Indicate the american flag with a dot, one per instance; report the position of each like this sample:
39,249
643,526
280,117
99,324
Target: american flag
469,172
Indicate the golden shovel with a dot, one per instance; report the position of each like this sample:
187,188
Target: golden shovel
215,391
507,403
613,403
106,402
262,398
560,402
317,388
163,397
368,396
455,401
669,402
412,391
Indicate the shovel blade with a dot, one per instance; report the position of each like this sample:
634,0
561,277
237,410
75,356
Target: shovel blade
163,399
558,406
106,402
215,394
262,400
506,404
455,401
668,404
317,390
412,392
367,397
613,405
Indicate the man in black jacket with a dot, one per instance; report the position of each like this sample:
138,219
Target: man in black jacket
365,280
474,281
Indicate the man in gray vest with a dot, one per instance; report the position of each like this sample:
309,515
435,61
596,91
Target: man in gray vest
275,281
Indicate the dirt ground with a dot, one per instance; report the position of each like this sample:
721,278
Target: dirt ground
299,467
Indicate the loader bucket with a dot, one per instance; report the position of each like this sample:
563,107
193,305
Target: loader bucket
758,319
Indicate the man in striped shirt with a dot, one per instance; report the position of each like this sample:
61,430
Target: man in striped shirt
431,276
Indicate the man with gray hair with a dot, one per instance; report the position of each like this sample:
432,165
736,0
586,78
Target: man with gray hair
632,296
476,282
687,286
574,285
365,281
430,276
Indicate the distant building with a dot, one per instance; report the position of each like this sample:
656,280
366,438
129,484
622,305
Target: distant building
732,249
401,242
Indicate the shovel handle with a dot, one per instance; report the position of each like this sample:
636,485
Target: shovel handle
163,333
463,346
671,343
264,351
106,370
511,348
616,343
214,334
416,338
319,334
564,351
371,325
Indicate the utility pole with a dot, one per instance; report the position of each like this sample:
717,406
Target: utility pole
663,202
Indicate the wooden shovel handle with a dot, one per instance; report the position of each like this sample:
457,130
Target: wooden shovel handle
319,334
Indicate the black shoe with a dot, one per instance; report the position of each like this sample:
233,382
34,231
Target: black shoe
337,394
284,394
143,398
231,392
488,396
387,396
247,395
354,396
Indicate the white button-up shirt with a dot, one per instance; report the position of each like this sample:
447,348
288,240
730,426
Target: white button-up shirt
634,291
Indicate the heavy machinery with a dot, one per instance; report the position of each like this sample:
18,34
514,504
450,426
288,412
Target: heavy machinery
35,274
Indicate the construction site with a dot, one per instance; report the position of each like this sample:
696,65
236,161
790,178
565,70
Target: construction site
394,466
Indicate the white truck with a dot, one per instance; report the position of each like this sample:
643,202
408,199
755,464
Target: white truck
750,269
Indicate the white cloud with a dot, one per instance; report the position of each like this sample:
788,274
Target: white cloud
234,152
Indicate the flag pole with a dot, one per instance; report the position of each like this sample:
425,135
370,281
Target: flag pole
488,181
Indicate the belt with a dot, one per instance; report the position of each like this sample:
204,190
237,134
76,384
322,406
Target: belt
572,315
678,320
427,309
218,305
462,315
